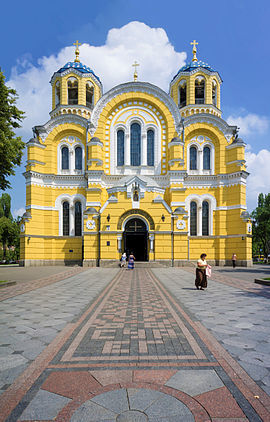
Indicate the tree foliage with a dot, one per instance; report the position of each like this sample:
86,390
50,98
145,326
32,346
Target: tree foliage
11,146
261,225
5,206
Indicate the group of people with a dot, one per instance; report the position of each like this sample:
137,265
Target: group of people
130,260
203,269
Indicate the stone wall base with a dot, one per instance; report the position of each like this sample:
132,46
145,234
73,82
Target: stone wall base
47,262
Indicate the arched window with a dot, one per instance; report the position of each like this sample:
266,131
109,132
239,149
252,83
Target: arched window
205,218
72,91
135,144
89,94
193,158
78,219
199,90
65,219
182,94
206,158
214,93
65,158
78,158
120,147
57,93
150,147
193,218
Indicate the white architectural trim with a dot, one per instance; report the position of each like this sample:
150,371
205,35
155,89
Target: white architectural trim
231,207
71,148
200,147
142,87
145,125
159,200
71,199
227,130
199,199
131,217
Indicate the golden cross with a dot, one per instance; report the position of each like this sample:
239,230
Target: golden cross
77,51
135,64
194,50
77,43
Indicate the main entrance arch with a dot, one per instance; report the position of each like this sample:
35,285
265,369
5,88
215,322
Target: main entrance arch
136,239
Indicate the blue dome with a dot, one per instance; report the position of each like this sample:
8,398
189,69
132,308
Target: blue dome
194,65
78,66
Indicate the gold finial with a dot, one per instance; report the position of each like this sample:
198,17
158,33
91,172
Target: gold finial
194,50
77,51
135,64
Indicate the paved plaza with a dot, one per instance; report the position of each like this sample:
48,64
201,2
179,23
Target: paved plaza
90,345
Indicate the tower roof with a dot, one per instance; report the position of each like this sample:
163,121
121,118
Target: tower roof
195,64
79,67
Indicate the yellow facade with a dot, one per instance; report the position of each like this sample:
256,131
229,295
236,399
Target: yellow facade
135,169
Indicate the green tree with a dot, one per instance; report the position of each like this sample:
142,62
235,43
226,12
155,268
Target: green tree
5,206
11,146
261,225
8,233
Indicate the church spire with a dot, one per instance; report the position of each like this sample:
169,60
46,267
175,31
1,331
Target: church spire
77,51
194,50
135,64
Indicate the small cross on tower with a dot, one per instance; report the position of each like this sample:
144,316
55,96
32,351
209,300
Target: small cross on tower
77,51
194,50
135,64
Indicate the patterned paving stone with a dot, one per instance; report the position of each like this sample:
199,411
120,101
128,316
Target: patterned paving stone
132,348
194,382
44,406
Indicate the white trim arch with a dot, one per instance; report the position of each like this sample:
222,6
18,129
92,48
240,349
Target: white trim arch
199,199
128,117
71,199
71,151
131,217
200,148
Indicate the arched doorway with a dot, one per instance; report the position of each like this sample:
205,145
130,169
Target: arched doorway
136,239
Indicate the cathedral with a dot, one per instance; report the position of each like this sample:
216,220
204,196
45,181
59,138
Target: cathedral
136,169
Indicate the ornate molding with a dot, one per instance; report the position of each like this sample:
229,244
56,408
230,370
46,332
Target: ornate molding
44,130
136,212
216,121
143,87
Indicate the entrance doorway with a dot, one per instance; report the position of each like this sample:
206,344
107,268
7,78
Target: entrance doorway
136,239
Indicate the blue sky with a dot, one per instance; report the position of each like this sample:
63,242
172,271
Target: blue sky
233,38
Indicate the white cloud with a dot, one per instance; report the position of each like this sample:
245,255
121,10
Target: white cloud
18,212
258,180
112,62
250,123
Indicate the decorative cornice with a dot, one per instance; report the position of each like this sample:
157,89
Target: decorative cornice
129,87
44,130
192,72
227,130
55,180
78,73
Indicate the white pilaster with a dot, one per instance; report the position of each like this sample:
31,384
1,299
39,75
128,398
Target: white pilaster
127,149
144,149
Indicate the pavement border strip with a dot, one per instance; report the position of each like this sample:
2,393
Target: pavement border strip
257,397
13,395
21,288
102,299
237,374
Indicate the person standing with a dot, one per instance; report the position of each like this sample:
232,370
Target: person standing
123,260
234,258
201,278
131,260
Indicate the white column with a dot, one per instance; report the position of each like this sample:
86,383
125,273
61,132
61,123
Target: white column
199,222
151,238
144,149
119,240
127,149
72,220
200,161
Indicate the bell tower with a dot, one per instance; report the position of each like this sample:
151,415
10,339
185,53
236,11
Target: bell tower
196,87
75,88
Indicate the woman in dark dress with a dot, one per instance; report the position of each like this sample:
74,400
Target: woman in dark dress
201,278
